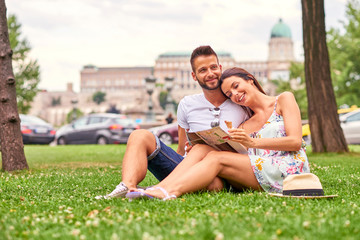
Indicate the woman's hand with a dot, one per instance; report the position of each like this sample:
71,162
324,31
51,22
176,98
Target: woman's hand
239,135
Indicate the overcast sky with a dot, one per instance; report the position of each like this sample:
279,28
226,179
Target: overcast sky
65,35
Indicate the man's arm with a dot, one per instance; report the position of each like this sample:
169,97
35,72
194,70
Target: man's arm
182,140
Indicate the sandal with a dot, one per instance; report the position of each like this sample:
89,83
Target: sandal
141,194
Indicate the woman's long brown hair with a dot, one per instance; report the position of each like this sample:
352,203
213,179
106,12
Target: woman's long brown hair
242,73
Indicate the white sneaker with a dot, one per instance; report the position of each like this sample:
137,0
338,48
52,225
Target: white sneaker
119,191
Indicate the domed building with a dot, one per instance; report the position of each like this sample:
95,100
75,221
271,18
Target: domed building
281,54
281,51
280,30
125,86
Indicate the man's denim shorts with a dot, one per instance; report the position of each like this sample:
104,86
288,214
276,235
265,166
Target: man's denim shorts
163,160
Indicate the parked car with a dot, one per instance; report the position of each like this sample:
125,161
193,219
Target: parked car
306,133
101,128
342,111
35,130
350,123
168,133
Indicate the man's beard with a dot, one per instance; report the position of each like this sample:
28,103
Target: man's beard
204,86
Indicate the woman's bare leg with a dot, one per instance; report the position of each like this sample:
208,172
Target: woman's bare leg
141,144
196,154
233,166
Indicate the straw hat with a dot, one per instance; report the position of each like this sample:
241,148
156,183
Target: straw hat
305,185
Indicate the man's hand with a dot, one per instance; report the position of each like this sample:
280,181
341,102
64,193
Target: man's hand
188,147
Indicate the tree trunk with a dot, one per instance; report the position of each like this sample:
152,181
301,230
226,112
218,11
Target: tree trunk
326,133
12,148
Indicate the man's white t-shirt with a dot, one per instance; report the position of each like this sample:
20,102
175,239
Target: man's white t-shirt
195,113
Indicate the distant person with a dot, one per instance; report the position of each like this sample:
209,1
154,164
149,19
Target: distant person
169,118
195,113
272,135
113,109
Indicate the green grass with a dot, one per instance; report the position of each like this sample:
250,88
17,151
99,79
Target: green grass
55,200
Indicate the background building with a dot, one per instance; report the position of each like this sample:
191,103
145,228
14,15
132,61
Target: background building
177,65
281,52
107,79
125,86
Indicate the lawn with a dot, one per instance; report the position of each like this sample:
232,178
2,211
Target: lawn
55,200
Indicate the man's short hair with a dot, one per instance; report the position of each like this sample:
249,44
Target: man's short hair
201,51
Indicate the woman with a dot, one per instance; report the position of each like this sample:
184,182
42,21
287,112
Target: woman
272,135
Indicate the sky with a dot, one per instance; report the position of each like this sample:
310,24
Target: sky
65,35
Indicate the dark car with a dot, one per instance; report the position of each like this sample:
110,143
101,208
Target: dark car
168,133
101,128
35,130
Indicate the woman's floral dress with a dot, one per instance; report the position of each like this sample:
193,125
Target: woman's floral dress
272,166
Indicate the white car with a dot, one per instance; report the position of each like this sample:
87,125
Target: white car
350,123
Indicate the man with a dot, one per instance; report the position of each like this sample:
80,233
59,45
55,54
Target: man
195,113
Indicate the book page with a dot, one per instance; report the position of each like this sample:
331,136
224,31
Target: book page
193,139
217,138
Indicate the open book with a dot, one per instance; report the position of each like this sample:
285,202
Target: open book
216,138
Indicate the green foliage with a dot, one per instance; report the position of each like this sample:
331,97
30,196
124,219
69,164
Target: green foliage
297,73
73,115
56,101
26,70
162,99
344,54
55,200
98,97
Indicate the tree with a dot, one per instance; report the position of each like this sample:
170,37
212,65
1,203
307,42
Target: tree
326,133
99,97
297,72
56,101
344,54
12,148
27,71
299,91
163,100
74,114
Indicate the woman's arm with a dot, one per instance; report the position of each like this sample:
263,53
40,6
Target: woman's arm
288,108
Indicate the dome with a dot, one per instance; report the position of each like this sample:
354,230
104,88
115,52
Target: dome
280,30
